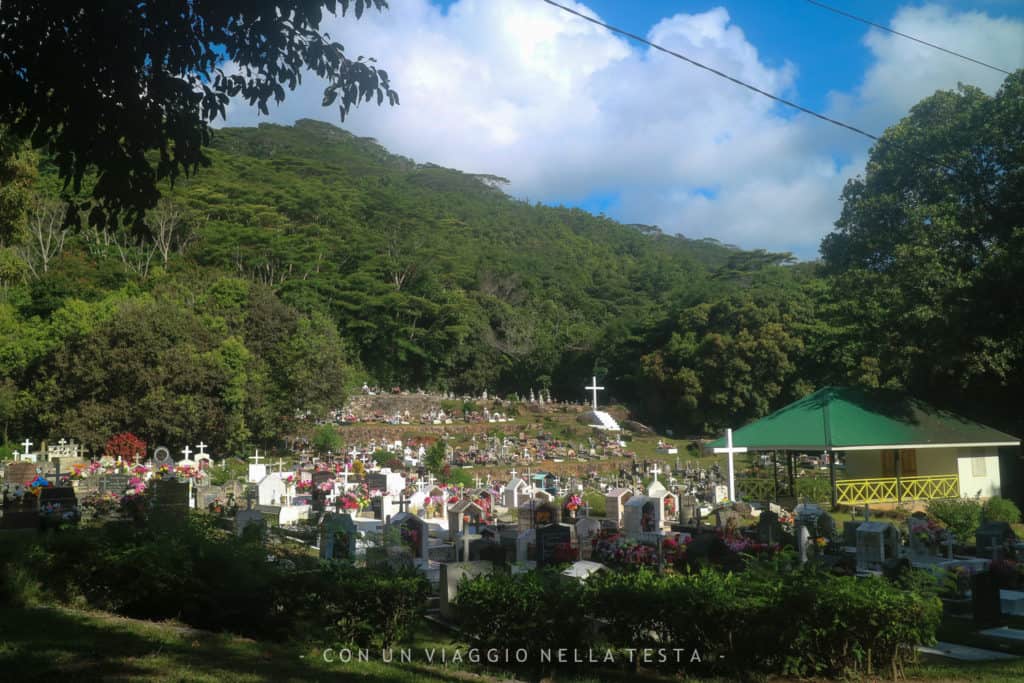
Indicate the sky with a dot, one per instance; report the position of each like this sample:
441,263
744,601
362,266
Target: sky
575,115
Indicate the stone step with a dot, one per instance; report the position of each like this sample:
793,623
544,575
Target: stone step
1005,633
1012,602
964,653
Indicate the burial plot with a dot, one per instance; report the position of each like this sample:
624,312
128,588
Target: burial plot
876,543
250,524
769,529
465,517
58,504
997,536
338,537
171,498
19,473
451,574
413,533
114,483
587,530
551,540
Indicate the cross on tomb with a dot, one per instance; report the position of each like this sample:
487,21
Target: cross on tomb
186,451
62,442
477,481
655,471
594,389
256,458
280,465
28,445
513,473
403,503
17,456
202,448
731,451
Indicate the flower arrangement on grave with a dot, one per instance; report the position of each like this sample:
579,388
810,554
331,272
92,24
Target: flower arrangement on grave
216,507
79,472
186,471
349,502
452,500
36,486
410,537
100,504
136,487
164,471
140,470
326,486
746,546
932,535
564,553
573,503
304,486
670,506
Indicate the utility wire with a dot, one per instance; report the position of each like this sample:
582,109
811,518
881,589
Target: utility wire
744,84
726,76
904,35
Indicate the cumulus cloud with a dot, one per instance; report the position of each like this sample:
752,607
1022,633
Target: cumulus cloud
567,110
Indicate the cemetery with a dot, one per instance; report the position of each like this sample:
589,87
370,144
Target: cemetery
643,553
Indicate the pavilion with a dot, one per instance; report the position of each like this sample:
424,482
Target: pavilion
896,448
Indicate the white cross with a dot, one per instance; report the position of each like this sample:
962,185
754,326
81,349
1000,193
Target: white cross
655,471
28,445
186,451
62,442
478,481
17,456
594,388
513,472
731,451
256,458
431,479
202,448
280,465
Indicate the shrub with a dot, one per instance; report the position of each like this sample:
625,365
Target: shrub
962,516
533,611
997,509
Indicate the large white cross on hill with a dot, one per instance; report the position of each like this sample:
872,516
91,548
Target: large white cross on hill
731,450
594,388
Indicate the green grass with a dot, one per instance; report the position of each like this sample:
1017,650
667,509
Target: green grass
63,644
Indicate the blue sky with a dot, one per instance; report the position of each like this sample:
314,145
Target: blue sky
574,115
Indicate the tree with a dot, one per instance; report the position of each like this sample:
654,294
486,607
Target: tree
106,104
46,234
326,439
126,447
169,228
924,260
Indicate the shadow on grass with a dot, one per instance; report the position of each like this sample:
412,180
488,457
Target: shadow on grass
49,643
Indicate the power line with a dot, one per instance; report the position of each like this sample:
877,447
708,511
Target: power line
726,76
904,35
744,84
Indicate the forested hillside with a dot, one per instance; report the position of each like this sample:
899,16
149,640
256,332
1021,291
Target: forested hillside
304,261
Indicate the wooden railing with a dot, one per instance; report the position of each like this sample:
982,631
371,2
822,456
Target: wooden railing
856,491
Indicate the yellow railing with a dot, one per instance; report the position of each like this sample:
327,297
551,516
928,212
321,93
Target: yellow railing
855,491
755,489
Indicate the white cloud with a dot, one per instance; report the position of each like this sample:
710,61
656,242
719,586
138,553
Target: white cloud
567,110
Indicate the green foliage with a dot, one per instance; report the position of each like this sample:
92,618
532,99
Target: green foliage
962,516
231,470
924,265
998,509
150,119
796,622
434,458
326,439
458,477
209,579
533,611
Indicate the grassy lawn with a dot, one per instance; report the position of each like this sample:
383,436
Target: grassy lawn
64,644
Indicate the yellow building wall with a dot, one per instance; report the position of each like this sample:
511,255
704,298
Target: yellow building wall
930,462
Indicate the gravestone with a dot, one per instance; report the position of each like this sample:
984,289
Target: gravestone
465,517
850,533
769,530
689,508
985,600
586,530
338,537
549,539
19,473
720,494
250,524
114,483
451,574
876,543
162,458
58,504
615,504
413,533
170,497
993,534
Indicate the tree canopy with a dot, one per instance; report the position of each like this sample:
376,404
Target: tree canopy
128,89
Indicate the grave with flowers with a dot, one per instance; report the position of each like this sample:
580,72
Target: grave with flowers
413,534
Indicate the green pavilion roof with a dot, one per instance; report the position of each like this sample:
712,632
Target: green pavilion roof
845,418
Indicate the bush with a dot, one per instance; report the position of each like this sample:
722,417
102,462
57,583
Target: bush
533,611
997,509
962,516
766,621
